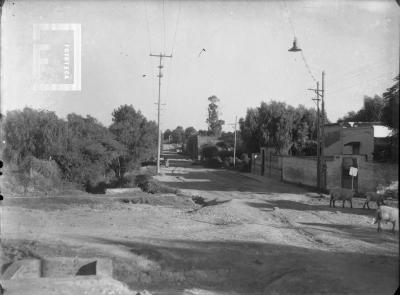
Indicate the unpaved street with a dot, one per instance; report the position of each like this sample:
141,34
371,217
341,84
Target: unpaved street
251,237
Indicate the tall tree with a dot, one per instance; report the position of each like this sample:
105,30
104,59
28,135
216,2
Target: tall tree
136,133
372,111
390,112
213,121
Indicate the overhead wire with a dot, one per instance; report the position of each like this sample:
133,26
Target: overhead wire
176,27
147,25
164,25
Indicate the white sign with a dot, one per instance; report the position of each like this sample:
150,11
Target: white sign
57,57
353,171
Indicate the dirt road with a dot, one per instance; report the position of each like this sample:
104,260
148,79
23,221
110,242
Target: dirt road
250,237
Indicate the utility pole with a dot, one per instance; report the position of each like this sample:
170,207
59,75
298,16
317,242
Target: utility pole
234,146
321,165
318,139
160,75
323,132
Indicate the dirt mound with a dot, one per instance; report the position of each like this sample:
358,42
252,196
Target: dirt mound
226,213
167,200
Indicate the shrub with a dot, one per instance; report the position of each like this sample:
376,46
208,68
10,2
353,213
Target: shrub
150,185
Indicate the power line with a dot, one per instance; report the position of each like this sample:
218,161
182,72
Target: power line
147,25
176,28
307,66
164,25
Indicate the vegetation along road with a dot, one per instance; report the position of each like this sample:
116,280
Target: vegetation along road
244,235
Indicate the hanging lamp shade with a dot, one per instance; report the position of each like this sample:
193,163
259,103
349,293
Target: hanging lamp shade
294,47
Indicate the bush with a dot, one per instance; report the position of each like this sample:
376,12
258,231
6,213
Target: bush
215,162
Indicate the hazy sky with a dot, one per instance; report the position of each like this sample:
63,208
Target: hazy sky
246,59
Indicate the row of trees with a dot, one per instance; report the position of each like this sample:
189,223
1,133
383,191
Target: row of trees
84,150
293,130
280,126
179,135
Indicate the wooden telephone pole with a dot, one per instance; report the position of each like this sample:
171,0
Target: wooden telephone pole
321,166
160,75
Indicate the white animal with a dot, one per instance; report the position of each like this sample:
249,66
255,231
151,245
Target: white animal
341,194
386,214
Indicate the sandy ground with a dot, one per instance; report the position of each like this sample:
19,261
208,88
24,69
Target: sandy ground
253,237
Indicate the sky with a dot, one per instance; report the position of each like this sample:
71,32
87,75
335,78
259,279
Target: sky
246,60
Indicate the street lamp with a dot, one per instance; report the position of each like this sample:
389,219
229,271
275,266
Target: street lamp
294,47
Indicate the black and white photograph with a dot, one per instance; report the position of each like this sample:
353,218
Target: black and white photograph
199,147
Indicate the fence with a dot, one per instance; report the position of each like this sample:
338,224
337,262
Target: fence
303,170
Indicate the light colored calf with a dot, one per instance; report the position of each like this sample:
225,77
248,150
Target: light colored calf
386,214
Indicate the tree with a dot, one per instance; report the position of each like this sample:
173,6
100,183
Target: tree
33,133
279,126
136,134
189,131
250,130
167,134
390,112
213,121
372,111
178,135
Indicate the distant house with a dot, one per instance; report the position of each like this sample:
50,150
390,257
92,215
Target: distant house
196,143
355,138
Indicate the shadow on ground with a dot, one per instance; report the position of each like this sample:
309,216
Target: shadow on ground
253,268
366,234
293,205
222,180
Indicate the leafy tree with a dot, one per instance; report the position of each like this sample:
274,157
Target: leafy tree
83,149
280,126
213,121
33,133
250,130
91,150
390,112
178,135
167,134
372,111
189,131
136,134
